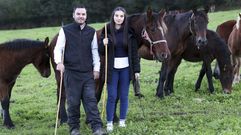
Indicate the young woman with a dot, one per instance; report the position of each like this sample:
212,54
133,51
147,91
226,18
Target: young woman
123,63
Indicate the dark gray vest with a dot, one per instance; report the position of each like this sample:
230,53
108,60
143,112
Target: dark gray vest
78,54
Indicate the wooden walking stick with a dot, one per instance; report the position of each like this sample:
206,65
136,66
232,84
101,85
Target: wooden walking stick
105,88
60,93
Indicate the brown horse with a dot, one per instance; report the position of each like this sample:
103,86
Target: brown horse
149,30
180,28
215,49
223,31
234,43
14,56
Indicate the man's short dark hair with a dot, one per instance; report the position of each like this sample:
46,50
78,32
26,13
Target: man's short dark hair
78,6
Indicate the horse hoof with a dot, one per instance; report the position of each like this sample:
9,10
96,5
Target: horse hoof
62,122
9,126
216,76
159,96
227,92
139,95
212,92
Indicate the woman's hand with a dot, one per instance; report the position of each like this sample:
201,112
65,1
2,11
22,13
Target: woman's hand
137,76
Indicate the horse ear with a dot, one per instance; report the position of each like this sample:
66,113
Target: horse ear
46,42
194,11
240,15
162,13
206,8
149,13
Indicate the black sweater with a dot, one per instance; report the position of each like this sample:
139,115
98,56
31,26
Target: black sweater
134,61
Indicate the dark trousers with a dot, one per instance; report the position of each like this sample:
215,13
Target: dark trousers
81,86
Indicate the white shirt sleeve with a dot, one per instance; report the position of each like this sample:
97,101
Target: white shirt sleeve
95,53
59,48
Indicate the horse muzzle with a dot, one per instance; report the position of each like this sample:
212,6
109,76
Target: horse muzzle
201,42
46,73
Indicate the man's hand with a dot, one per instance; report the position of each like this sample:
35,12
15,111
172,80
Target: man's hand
60,67
96,75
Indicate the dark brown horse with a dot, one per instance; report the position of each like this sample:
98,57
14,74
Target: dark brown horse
223,31
234,44
149,30
14,56
180,28
215,49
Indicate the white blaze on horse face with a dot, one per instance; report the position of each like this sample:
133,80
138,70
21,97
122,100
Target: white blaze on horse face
119,17
161,29
80,15
238,22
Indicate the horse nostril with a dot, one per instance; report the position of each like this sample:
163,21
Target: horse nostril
164,55
205,42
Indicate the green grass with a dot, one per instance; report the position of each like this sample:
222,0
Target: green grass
185,112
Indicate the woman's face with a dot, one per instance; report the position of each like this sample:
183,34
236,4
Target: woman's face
119,17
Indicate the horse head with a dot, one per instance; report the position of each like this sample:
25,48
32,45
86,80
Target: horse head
198,26
42,61
154,34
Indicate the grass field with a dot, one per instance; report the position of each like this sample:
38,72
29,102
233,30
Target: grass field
186,112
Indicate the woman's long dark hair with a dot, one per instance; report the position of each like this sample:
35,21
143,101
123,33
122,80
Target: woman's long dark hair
124,26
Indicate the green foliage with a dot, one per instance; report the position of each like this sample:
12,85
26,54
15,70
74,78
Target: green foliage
184,113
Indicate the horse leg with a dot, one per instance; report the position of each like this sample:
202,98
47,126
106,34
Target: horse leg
172,69
200,77
136,87
162,79
63,113
62,110
216,71
209,76
236,70
7,121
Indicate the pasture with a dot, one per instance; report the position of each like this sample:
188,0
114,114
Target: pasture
33,107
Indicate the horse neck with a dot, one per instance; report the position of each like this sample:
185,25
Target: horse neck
27,56
137,22
184,28
222,53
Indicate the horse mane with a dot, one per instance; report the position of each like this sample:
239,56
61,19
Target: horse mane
18,44
238,22
154,14
132,16
220,45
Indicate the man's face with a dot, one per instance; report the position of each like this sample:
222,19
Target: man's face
80,15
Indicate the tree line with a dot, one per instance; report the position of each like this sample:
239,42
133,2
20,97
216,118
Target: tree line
38,13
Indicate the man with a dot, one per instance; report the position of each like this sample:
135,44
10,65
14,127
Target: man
78,43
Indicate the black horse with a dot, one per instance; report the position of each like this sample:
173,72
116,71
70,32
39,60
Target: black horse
180,28
14,56
215,49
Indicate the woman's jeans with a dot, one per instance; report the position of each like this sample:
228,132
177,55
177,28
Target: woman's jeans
118,87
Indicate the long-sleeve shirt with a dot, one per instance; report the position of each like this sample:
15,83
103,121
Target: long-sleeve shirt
60,45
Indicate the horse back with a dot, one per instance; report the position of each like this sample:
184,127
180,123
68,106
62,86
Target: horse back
225,29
